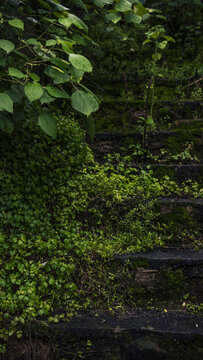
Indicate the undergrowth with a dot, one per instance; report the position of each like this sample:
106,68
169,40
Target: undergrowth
62,218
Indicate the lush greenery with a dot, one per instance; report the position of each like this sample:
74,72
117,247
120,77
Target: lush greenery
60,214
63,216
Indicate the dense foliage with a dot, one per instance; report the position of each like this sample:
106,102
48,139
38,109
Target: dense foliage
63,216
60,214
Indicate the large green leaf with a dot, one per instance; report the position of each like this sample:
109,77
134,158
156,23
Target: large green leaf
51,42
114,17
16,73
80,40
156,57
76,75
162,44
46,98
123,5
47,123
140,10
84,102
56,4
6,124
7,45
58,75
33,91
17,23
33,41
67,22
57,93
60,63
131,17
80,62
6,103
102,3
78,22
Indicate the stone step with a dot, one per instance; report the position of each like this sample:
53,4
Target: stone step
185,124
121,114
164,146
132,336
178,221
178,172
183,218
159,278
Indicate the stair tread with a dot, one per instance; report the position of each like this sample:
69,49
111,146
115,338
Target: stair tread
172,322
188,256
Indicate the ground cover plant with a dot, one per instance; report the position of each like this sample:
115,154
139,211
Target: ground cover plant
62,218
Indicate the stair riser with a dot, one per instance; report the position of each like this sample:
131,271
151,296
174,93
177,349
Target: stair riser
122,342
179,173
164,285
184,147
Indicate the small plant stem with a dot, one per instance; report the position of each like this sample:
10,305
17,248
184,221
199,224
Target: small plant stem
153,81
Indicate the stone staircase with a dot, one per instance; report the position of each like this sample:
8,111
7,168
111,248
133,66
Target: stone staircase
164,284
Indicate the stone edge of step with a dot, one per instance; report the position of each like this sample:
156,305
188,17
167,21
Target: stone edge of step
175,323
166,256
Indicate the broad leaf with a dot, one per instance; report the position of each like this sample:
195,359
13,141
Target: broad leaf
169,38
156,57
150,121
80,62
6,103
163,44
67,22
57,93
140,10
114,17
66,45
77,75
61,63
78,22
46,98
102,3
84,102
17,23
47,123
34,77
6,124
33,41
131,17
51,42
123,5
7,45
33,91
16,73
79,40
58,75
57,5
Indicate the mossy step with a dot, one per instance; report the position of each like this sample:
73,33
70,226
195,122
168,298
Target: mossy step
178,172
185,123
169,257
182,220
167,146
133,336
159,278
